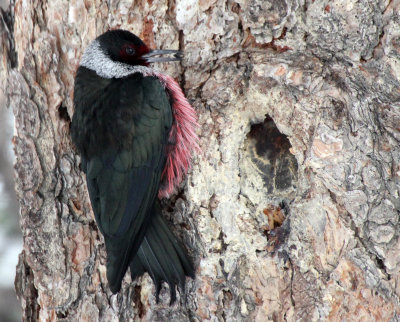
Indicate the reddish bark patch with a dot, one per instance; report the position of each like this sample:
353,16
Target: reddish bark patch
275,216
138,302
147,34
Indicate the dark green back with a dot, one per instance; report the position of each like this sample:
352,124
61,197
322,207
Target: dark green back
120,127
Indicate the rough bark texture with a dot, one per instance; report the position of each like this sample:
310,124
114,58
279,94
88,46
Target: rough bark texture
291,212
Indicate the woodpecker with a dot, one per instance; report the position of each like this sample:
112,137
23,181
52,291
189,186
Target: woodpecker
135,132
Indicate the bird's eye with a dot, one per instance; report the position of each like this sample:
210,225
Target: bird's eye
130,51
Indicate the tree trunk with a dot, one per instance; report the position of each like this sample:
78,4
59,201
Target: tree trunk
291,211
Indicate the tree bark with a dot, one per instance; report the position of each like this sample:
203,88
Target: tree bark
291,211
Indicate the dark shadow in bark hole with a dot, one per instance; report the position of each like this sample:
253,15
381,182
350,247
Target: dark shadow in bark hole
268,180
269,151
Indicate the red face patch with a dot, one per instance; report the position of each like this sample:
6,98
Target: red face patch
132,54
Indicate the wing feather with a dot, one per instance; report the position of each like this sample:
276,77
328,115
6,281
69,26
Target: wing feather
129,122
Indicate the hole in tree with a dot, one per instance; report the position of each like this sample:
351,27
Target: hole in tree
63,113
268,179
268,152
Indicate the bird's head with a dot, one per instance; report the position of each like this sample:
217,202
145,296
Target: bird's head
118,53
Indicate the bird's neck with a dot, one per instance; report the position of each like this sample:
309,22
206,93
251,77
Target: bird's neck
96,60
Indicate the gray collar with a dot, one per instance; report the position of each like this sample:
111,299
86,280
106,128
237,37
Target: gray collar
95,59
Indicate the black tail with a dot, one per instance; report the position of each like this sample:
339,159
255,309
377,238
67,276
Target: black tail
162,256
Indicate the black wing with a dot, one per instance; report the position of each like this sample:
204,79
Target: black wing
121,134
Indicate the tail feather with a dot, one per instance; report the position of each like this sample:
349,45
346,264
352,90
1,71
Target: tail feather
118,260
161,255
179,253
158,266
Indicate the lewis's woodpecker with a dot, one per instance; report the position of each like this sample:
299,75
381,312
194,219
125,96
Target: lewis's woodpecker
135,132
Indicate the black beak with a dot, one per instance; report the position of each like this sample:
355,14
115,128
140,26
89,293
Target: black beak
154,56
